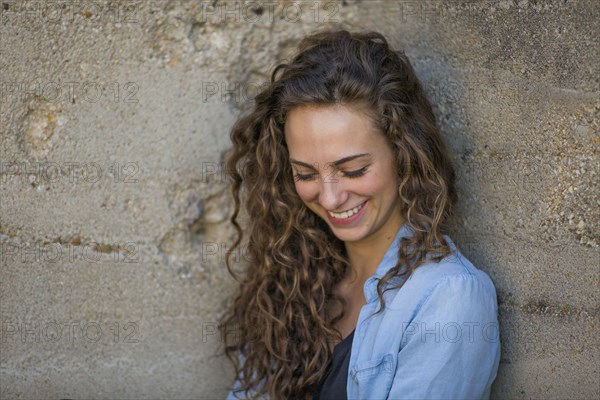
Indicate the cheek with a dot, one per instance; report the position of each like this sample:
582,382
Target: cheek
307,191
373,185
383,183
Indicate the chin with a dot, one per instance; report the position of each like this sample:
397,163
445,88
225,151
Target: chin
351,235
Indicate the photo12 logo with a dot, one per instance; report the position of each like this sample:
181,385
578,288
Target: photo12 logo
68,171
26,12
267,11
71,252
70,91
69,332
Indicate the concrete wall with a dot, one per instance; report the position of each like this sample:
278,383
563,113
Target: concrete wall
114,118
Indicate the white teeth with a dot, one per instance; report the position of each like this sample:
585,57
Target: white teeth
346,214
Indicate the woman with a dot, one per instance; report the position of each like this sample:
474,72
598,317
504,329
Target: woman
354,290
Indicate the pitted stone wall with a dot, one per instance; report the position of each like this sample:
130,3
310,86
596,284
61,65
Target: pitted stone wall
114,120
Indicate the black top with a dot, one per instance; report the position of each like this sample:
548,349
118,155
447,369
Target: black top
333,384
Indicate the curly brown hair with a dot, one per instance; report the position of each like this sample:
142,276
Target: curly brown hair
279,315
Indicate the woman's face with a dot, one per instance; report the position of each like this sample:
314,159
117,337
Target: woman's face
344,171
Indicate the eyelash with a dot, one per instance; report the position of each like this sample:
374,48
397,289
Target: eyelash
352,174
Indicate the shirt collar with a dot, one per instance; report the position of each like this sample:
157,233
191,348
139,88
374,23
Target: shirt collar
388,262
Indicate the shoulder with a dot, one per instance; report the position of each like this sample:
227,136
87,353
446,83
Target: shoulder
454,280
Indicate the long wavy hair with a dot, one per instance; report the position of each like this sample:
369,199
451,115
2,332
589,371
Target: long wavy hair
278,329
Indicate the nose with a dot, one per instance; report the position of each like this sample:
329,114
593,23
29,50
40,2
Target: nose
332,193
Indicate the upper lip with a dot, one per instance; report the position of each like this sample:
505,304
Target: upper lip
351,208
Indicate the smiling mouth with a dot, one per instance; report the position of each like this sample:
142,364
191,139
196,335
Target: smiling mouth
348,213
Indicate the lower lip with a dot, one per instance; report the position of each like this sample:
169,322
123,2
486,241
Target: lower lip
346,221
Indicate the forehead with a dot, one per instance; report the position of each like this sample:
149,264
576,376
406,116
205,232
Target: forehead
327,133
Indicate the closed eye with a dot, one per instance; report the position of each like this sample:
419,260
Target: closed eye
357,173
300,177
350,174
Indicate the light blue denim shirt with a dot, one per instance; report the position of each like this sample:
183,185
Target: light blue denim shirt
437,338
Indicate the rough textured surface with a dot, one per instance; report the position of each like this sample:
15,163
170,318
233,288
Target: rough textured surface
114,118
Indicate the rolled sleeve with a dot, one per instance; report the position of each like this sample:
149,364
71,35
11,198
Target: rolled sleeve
237,393
451,348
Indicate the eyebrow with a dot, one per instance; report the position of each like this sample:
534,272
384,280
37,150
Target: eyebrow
335,163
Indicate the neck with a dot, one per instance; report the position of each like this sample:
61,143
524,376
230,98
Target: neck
365,256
